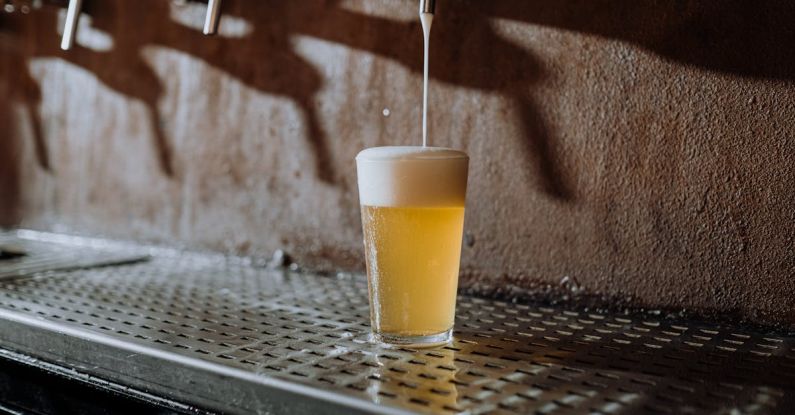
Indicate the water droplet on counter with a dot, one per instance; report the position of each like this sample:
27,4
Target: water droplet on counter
344,275
570,283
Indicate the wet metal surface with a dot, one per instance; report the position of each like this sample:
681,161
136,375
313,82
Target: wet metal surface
22,256
230,337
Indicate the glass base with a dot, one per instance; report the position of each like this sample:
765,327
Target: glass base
431,340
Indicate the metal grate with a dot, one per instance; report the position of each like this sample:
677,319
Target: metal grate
21,256
257,327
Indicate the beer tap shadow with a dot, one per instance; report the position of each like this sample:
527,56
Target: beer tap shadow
734,37
124,70
266,61
262,59
31,96
21,87
134,78
283,72
466,50
120,69
39,142
493,64
10,169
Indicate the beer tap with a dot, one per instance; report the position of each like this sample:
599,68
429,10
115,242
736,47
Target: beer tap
70,25
427,6
213,17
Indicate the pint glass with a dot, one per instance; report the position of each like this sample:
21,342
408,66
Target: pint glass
412,202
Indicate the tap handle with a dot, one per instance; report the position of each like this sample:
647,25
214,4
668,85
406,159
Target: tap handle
70,25
427,6
213,17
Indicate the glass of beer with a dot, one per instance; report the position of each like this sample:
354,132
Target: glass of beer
412,201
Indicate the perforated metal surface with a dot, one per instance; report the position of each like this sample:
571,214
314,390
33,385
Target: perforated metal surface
313,330
30,256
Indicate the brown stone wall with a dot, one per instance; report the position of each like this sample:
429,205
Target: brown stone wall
638,152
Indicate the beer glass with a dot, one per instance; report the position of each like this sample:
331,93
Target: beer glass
412,202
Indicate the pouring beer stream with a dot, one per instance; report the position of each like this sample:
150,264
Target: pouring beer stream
427,9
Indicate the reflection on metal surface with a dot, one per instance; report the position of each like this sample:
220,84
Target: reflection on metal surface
255,324
23,257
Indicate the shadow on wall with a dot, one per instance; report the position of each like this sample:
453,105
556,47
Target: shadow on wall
738,37
13,88
9,164
734,37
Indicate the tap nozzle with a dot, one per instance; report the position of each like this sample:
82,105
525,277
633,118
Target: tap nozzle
70,25
427,6
213,17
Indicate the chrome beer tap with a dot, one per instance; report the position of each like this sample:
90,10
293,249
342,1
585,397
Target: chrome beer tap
70,25
213,17
427,6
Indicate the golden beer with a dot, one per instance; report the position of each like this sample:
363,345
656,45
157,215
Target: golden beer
413,219
412,263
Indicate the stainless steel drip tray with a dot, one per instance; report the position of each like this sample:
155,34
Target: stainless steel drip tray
24,253
229,337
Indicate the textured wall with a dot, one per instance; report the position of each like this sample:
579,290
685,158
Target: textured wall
636,152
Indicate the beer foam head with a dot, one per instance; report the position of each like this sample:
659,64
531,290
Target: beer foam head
412,176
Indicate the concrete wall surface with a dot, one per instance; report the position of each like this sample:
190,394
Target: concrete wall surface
636,153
